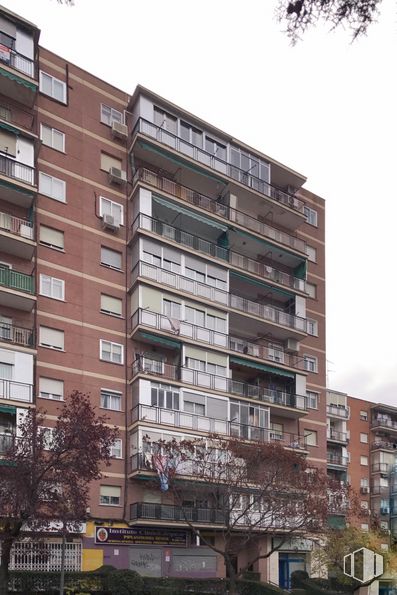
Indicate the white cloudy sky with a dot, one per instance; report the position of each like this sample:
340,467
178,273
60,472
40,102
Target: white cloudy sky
326,108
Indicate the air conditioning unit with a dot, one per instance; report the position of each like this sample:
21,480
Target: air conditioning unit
117,176
292,346
109,222
119,130
364,490
384,510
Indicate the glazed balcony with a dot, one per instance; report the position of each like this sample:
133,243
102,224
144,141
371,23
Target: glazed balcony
336,436
337,460
383,468
203,246
141,511
5,442
339,411
16,236
16,289
224,211
152,320
16,335
234,173
238,303
210,425
384,445
16,391
222,384
386,424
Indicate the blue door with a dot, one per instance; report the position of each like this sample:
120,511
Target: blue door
287,563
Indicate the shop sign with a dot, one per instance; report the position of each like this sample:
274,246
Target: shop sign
139,536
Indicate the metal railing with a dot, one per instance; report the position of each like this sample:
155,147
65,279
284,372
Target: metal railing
45,556
181,328
202,423
224,211
380,468
186,375
244,177
17,226
17,171
338,411
17,335
18,61
337,460
383,445
16,391
5,442
210,249
335,435
15,280
384,423
17,116
170,512
267,312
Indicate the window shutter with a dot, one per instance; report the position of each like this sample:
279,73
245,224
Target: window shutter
107,161
51,337
111,304
8,143
51,236
8,27
111,258
111,491
51,387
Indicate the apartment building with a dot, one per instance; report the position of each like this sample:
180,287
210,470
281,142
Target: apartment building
166,268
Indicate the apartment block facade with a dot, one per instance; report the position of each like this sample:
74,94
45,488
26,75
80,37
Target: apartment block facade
170,271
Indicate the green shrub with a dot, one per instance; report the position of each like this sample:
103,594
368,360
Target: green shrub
250,575
123,582
298,577
254,588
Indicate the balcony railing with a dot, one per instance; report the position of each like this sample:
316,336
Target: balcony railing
384,423
380,490
17,116
15,280
244,177
218,383
179,328
202,423
5,442
17,171
17,61
337,460
338,411
380,468
236,302
169,512
16,391
224,211
383,445
210,249
18,227
16,335
335,435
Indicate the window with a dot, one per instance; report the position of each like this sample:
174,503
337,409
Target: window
171,309
310,363
109,207
51,389
364,415
364,482
52,287
8,143
111,305
196,408
107,161
216,324
52,187
311,253
311,216
310,437
215,148
191,134
110,399
363,460
276,431
111,258
52,338
151,259
195,275
312,399
52,137
6,371
195,316
311,289
49,85
110,495
109,115
364,504
195,364
312,327
116,450
164,120
169,265
48,437
111,352
216,369
53,238
165,396
364,438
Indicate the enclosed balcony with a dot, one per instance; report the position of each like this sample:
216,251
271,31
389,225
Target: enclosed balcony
17,182
336,436
337,460
384,423
16,236
338,411
16,391
16,335
147,511
383,468
380,444
16,289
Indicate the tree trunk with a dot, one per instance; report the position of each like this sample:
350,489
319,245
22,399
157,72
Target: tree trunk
232,576
6,546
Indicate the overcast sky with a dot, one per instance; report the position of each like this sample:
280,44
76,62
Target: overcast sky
326,108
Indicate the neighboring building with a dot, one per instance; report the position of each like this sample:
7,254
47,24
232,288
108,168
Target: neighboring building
169,270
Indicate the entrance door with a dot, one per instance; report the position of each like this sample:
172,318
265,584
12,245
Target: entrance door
287,563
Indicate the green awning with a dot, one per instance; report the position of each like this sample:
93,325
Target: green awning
180,162
262,367
8,409
269,245
161,340
181,211
10,184
10,128
337,522
263,285
18,79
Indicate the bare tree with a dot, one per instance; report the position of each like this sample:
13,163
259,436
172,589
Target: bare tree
45,476
252,489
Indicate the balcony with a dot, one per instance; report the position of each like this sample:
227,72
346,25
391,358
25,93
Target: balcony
235,259
241,304
384,445
16,236
16,335
224,211
337,460
17,76
16,289
17,118
387,424
336,436
5,442
167,512
16,171
234,173
201,423
383,468
16,391
222,384
340,411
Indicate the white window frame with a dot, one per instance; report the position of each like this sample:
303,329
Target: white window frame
113,115
112,345
363,438
311,394
102,503
53,281
47,346
311,216
310,437
113,206
364,462
54,82
311,290
116,449
312,327
311,253
112,394
51,396
310,363
52,129
49,244
110,266
109,312
363,415
52,194
48,437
